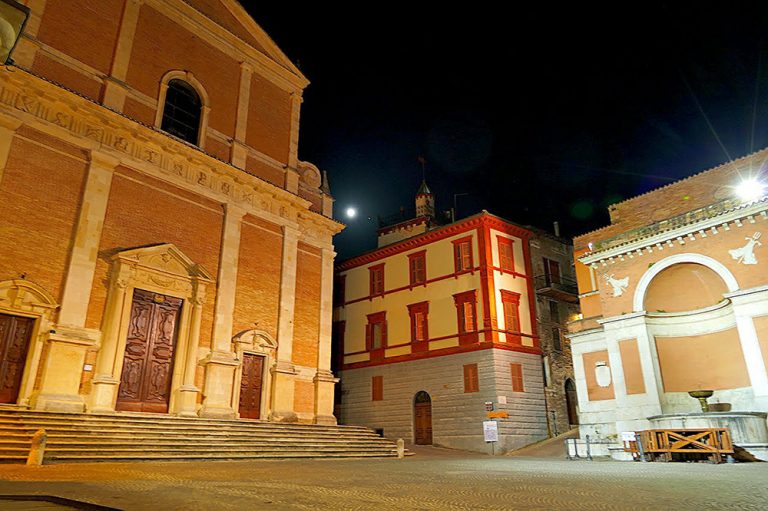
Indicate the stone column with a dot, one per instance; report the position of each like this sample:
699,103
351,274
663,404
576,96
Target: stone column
68,343
221,362
114,85
188,391
283,388
8,127
119,299
239,154
746,305
324,380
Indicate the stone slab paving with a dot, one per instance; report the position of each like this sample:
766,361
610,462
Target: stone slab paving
433,479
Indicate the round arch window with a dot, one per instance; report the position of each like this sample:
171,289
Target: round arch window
182,111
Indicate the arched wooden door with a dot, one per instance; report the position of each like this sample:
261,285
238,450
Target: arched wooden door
422,419
571,402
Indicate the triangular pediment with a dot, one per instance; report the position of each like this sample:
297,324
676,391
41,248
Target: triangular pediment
230,15
166,258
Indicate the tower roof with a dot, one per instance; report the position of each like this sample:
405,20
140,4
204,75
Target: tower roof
424,189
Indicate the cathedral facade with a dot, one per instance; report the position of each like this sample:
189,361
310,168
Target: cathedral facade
163,250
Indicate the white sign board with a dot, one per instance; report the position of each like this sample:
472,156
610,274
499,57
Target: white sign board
502,400
491,431
627,436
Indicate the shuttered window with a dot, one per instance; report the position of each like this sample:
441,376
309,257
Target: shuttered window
462,254
517,378
506,254
377,388
471,383
418,267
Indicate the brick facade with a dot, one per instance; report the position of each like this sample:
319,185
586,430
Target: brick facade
96,205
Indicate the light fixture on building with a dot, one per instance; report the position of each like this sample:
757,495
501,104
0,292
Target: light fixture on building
13,17
750,190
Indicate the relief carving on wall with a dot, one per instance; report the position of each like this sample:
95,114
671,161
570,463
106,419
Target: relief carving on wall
618,285
746,254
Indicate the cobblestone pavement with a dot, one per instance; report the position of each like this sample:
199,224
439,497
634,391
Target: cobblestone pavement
431,480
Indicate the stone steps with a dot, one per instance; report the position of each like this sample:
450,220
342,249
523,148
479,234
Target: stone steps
136,437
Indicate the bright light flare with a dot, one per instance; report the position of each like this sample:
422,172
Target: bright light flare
351,212
750,189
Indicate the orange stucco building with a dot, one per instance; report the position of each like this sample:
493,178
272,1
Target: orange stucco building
163,247
674,297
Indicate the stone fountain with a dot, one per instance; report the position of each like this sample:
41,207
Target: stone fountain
749,430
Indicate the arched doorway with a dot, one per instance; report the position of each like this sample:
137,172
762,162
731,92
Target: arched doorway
571,401
422,419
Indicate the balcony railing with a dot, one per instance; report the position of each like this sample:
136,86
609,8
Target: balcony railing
557,287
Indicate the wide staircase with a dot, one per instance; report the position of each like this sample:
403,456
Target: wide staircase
73,437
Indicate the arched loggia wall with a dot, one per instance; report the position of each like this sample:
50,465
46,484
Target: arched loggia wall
653,271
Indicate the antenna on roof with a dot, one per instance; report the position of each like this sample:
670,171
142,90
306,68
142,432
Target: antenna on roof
423,162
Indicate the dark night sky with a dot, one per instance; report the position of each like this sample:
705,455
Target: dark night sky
547,113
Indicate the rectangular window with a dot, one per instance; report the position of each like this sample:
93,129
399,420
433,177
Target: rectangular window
554,312
418,267
419,325
376,331
506,254
377,388
517,378
376,274
462,254
511,303
552,271
557,342
466,313
471,382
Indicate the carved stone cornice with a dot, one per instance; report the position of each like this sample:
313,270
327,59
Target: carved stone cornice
57,111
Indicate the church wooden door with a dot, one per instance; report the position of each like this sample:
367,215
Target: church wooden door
145,384
250,386
571,401
15,333
422,419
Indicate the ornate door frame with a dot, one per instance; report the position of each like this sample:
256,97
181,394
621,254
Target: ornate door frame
23,298
161,269
260,343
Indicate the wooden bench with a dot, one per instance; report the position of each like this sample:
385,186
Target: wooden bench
684,444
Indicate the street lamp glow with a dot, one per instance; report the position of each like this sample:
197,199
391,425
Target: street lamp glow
351,212
750,189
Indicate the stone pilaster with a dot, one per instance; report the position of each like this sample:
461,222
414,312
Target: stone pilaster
114,85
8,127
293,143
221,363
239,153
748,304
82,263
68,343
324,380
27,47
283,388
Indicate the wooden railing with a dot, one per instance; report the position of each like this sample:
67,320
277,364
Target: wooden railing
680,444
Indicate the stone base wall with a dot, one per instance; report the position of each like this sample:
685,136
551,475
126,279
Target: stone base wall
457,416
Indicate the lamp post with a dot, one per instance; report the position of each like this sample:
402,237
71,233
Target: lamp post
13,17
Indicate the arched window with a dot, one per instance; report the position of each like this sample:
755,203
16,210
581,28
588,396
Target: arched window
182,111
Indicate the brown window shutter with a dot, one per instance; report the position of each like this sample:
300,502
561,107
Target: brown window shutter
471,383
377,388
383,334
368,340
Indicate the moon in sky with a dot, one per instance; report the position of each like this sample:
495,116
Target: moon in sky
351,212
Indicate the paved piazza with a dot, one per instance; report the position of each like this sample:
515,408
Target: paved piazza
432,480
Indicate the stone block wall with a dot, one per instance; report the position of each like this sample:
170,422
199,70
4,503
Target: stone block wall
457,416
